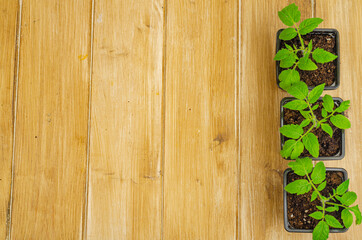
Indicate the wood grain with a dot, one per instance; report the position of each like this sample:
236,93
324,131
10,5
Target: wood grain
51,136
8,30
346,17
126,122
201,126
261,208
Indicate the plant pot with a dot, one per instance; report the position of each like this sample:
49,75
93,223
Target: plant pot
319,31
287,224
339,155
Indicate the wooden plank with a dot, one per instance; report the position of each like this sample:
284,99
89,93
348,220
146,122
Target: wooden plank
52,116
201,126
8,30
261,208
125,191
346,17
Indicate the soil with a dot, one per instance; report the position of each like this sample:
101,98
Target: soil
326,72
328,146
299,206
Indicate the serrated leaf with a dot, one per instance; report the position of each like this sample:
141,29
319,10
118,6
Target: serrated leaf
310,45
288,61
343,187
340,121
306,64
322,56
297,150
288,34
314,196
324,113
287,148
292,131
311,143
316,215
296,105
299,187
332,221
322,186
357,214
343,107
282,54
306,114
347,218
349,198
319,208
288,47
316,93
298,90
305,122
301,166
289,75
331,209
328,103
319,173
289,15
308,25
315,107
325,127
321,231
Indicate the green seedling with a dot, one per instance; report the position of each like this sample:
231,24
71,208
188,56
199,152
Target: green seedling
301,136
288,56
315,180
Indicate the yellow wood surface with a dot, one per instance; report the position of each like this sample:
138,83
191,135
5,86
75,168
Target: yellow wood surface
153,119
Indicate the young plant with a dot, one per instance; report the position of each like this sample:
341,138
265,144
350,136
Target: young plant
289,57
301,136
316,181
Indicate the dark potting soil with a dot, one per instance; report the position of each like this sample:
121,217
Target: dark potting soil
299,206
328,146
326,72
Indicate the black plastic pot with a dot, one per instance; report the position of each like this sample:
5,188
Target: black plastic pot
338,156
286,222
332,32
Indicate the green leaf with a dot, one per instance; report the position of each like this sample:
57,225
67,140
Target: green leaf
296,105
331,209
289,77
306,64
314,196
282,54
322,56
347,218
299,187
343,187
316,93
297,150
340,121
328,103
319,173
302,166
288,61
311,143
316,215
327,129
298,90
287,148
324,113
357,214
288,47
289,15
322,186
321,231
305,122
288,34
292,131
332,221
315,107
306,114
308,25
349,198
343,107
310,45
319,208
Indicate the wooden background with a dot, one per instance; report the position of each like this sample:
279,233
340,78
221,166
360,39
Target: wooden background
153,119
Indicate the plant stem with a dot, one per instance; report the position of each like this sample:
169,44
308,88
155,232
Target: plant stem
300,37
336,204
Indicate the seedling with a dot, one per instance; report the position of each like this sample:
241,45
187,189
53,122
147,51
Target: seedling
292,57
316,181
301,136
